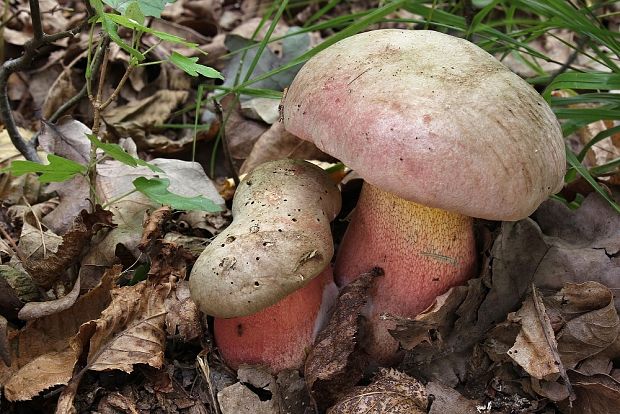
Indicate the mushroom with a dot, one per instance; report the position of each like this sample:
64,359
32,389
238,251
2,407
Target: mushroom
278,337
279,240
441,132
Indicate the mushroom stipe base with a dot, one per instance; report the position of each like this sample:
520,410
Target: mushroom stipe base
424,252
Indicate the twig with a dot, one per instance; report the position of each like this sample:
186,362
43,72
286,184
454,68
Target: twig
118,88
26,148
35,16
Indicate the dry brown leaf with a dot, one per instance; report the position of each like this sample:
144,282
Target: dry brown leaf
182,314
598,394
115,402
391,392
241,133
240,398
130,330
337,361
445,400
437,319
47,270
276,143
137,119
45,371
592,321
35,310
532,350
36,349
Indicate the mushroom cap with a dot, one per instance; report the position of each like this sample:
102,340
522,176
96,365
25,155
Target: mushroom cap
433,119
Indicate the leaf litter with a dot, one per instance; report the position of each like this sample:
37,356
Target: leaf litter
538,326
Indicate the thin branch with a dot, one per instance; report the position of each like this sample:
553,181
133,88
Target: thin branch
35,16
118,88
26,148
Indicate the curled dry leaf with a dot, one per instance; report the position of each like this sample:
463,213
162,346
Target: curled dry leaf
337,361
182,314
437,319
35,310
46,271
591,321
585,323
391,392
597,394
447,400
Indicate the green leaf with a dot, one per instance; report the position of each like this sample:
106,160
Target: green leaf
119,154
133,12
191,66
157,190
146,7
127,22
110,27
59,169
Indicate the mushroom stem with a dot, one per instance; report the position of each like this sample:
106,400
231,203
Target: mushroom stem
424,252
278,336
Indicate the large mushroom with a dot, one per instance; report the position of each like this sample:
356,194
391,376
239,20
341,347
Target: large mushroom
441,132
260,271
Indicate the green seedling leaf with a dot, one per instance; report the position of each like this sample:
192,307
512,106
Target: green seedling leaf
59,169
146,7
119,154
127,22
157,190
191,66
109,26
134,13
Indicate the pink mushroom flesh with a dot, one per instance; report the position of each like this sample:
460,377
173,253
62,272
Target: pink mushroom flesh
424,251
279,336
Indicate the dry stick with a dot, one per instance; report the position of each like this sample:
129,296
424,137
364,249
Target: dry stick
76,98
26,148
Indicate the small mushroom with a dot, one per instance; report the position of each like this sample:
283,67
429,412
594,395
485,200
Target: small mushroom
279,240
441,132
280,336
